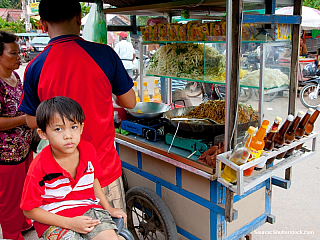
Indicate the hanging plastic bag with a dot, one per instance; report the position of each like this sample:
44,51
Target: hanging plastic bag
95,29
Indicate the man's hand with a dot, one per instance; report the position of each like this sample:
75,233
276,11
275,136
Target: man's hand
82,224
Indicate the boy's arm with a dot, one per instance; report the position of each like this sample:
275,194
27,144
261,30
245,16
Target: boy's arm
80,224
114,212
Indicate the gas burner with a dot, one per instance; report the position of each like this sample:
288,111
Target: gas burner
151,129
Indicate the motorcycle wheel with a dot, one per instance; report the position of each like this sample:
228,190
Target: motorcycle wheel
268,97
310,95
245,94
193,89
135,75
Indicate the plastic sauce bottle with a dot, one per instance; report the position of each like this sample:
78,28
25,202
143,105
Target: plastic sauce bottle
146,97
310,124
279,138
268,142
289,136
257,146
156,94
239,156
135,89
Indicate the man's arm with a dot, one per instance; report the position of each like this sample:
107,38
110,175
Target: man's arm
31,121
127,100
134,56
80,224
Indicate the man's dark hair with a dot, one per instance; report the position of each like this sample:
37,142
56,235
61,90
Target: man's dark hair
59,10
6,37
63,106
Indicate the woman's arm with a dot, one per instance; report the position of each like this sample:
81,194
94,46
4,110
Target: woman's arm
7,123
80,224
114,212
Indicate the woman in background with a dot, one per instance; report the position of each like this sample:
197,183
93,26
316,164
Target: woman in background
15,139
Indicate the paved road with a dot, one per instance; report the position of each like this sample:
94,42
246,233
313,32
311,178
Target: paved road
297,209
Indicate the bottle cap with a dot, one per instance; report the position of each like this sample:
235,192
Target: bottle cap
156,81
145,83
310,111
300,114
278,120
251,130
134,83
265,124
290,117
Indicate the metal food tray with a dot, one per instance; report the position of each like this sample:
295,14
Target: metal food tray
246,183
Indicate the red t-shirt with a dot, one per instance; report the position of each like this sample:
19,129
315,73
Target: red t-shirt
50,187
88,73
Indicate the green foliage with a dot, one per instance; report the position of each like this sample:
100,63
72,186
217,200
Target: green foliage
14,27
85,9
11,4
142,20
312,3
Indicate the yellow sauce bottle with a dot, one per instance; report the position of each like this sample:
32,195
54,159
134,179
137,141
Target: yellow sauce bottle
135,89
156,94
146,97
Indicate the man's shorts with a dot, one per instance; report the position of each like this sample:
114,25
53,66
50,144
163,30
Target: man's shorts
57,233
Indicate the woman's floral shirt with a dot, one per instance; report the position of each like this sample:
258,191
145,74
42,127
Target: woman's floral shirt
14,143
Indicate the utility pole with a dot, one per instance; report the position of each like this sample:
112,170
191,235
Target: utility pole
26,15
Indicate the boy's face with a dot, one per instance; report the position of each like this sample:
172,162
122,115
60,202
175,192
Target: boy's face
64,137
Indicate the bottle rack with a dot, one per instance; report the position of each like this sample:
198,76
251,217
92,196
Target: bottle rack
246,183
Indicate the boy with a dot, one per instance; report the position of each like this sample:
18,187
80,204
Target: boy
62,193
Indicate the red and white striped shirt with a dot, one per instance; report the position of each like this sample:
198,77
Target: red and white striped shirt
50,187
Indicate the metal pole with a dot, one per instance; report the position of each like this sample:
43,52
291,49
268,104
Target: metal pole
228,71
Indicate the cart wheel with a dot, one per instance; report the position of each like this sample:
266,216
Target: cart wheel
148,215
268,97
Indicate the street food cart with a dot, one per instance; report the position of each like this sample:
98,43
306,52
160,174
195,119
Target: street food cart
169,191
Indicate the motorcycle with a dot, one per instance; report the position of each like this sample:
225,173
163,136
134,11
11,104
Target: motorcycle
310,92
24,54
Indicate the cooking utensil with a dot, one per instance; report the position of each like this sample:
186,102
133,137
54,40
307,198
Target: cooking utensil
148,109
200,129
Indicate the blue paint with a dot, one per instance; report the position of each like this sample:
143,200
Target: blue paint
186,234
248,228
178,177
269,18
201,201
117,148
158,190
280,182
139,157
268,196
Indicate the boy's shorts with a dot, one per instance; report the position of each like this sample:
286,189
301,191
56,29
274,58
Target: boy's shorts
58,233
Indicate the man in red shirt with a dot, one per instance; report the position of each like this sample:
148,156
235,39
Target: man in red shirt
87,72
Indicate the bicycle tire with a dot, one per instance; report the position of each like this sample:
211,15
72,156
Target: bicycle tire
245,94
148,215
307,96
268,97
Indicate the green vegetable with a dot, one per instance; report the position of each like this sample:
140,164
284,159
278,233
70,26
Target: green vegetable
185,13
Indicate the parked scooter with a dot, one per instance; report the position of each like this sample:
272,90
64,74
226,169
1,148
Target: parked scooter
310,93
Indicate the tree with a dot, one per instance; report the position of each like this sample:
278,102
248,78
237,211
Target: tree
312,3
16,4
85,9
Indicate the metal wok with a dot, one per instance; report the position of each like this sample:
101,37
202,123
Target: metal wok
201,129
191,127
148,109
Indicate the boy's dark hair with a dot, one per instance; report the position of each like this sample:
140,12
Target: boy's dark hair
59,10
6,37
63,106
